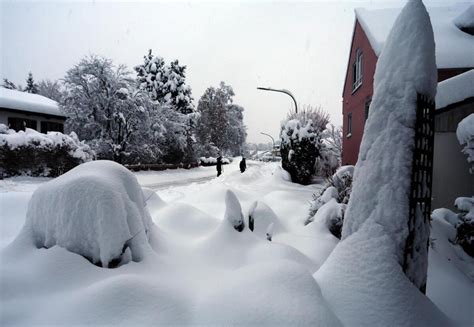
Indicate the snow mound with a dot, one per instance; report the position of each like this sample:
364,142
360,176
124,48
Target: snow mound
184,220
263,216
96,210
243,295
365,285
153,201
233,211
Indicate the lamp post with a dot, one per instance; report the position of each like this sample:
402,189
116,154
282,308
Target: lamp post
281,91
273,141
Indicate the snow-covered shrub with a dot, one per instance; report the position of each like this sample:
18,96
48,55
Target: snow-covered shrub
463,223
32,153
330,154
96,210
465,135
330,203
301,143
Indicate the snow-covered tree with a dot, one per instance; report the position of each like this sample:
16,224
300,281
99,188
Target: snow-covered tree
8,84
31,86
301,142
104,108
221,121
50,89
166,84
382,177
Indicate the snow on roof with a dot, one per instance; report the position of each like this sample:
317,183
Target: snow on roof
17,100
455,89
454,48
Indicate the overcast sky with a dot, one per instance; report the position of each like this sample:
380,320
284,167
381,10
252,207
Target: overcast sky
299,46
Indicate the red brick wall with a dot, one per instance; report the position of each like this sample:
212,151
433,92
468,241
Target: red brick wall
354,101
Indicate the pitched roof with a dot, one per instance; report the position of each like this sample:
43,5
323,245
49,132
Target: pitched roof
17,100
454,48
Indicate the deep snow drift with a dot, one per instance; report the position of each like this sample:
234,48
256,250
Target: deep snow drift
200,270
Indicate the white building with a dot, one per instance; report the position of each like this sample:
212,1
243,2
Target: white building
20,109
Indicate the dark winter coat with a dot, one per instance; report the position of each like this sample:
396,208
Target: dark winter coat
219,166
243,165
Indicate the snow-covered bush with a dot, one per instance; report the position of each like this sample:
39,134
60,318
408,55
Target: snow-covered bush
32,153
465,135
96,210
330,154
382,176
330,203
301,143
463,222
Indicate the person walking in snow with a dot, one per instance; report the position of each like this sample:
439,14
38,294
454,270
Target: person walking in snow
243,165
219,166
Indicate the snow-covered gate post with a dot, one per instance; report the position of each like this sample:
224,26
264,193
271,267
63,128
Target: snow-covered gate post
395,149
420,192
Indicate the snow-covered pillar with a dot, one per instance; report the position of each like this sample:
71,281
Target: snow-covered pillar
383,173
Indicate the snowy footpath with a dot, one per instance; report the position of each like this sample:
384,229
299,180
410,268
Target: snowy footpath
202,271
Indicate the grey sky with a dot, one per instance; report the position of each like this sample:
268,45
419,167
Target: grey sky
299,46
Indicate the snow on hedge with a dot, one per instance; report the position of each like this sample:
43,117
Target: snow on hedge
212,161
465,135
382,176
455,89
50,141
96,210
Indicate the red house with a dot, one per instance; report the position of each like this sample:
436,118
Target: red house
454,55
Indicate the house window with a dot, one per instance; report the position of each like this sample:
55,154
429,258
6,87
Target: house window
349,125
47,126
19,124
357,70
367,106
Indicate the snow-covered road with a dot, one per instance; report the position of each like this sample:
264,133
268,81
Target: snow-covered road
160,180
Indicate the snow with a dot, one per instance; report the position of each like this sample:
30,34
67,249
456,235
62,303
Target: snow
201,271
454,48
17,100
455,89
373,282
465,19
465,135
95,210
382,175
30,137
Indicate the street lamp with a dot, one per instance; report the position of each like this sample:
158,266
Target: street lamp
273,141
281,91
